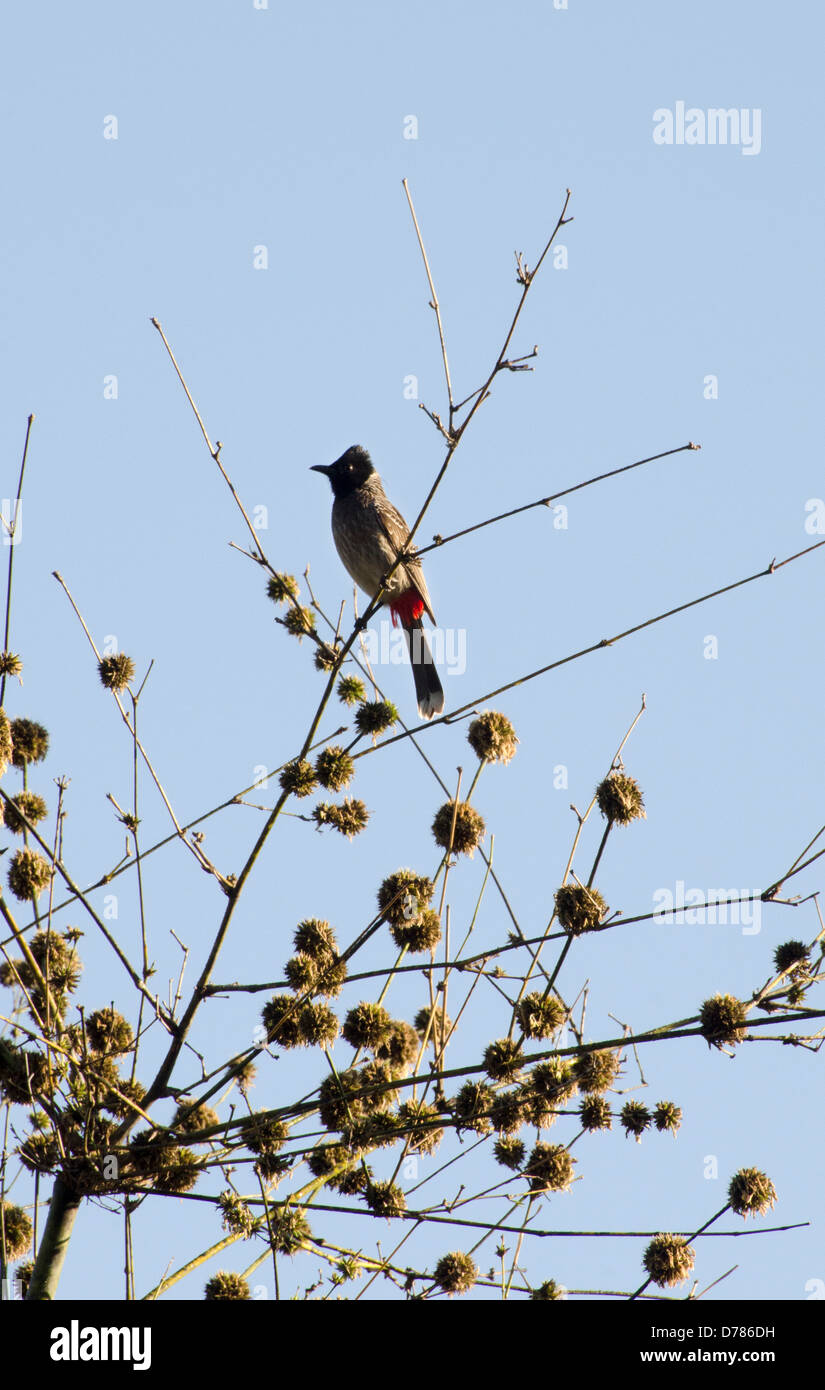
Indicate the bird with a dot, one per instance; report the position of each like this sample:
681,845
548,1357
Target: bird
369,534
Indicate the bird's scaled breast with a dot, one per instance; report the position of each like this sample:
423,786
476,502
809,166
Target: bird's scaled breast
364,549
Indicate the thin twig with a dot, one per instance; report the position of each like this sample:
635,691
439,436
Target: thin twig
11,527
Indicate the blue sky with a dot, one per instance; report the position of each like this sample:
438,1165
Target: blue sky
284,128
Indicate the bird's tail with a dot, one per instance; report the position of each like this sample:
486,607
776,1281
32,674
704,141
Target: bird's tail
428,689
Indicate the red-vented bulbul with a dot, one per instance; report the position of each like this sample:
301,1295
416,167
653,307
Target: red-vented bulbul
369,535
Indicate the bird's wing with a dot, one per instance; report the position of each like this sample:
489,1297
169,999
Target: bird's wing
396,530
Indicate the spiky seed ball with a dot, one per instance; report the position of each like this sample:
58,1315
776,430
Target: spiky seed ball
299,622
385,1199
324,1161
224,1285
620,799
11,973
549,1168
39,1153
108,1031
334,768
32,806
366,1025
578,908
440,1028
791,955
50,950
236,1216
319,1025
350,818
400,1046
539,1017
492,737
667,1116
668,1260
24,1074
298,778
378,1131
57,958
327,1157
101,1076
507,1111
28,874
456,1273
339,1098
190,1120
509,1152
723,1020
376,1083
282,587
301,972
596,1071
17,1227
404,896
375,717
116,671
10,664
635,1118
316,938
421,935
751,1192
538,1109
351,690
263,1135
548,1292
469,828
420,1123
6,744
163,1166
594,1113
353,1094
331,979
472,1105
503,1059
182,1174
353,1181
272,1167
116,1100
280,1018
305,973
352,1176
86,1087
554,1079
30,742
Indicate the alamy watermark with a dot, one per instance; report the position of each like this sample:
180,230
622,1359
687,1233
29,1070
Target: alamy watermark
718,125
709,907
388,647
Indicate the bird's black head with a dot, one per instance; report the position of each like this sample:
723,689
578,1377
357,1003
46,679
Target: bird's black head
348,472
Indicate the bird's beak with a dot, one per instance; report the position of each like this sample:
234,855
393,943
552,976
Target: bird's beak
321,468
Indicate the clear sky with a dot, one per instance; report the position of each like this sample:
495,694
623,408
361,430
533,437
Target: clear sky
689,308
